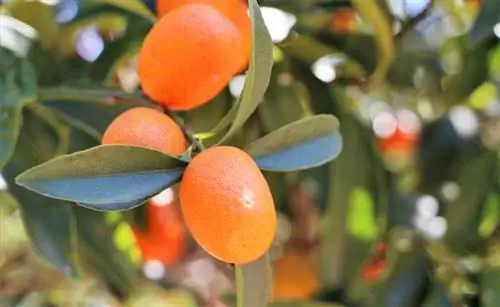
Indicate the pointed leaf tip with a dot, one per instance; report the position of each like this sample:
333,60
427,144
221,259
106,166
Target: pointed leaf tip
109,177
307,143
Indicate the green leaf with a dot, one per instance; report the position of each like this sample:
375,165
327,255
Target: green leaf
17,88
475,181
259,72
108,177
373,14
253,282
136,7
50,223
361,220
491,216
303,144
487,18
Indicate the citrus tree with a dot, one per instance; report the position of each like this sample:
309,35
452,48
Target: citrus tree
349,158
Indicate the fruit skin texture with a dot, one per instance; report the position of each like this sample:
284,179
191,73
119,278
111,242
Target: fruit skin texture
235,10
227,205
146,127
188,57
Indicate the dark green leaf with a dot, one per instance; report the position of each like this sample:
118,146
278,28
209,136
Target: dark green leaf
303,144
109,177
464,213
259,72
50,223
111,263
488,17
17,88
438,296
253,282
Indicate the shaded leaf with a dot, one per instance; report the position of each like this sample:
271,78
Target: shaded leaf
109,177
303,144
464,213
381,23
50,223
489,280
111,263
258,75
253,282
487,18
17,88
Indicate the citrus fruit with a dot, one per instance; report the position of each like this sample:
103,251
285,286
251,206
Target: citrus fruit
227,205
294,275
164,241
188,57
146,127
235,10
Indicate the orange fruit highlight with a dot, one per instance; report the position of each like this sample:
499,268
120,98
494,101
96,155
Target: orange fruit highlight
227,205
146,127
235,10
189,56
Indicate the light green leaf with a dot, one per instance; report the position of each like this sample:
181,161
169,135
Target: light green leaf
361,221
258,75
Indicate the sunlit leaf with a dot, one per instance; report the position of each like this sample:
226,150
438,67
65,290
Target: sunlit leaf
109,177
491,216
361,217
258,75
303,144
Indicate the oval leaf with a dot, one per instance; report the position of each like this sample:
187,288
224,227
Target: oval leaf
303,144
17,87
50,223
258,75
253,283
108,177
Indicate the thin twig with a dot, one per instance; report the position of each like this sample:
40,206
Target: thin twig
412,22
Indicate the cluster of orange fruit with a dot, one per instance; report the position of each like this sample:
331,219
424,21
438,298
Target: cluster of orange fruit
193,51
186,59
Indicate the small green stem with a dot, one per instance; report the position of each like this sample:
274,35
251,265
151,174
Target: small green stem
239,286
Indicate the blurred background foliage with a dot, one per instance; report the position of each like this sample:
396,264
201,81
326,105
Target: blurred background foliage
408,215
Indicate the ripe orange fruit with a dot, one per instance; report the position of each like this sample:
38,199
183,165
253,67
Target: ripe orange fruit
235,10
227,205
146,127
164,241
188,57
294,275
